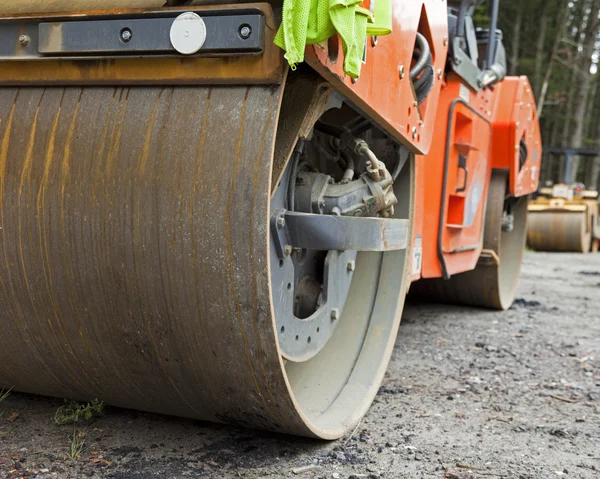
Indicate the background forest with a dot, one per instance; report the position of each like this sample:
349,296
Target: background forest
556,43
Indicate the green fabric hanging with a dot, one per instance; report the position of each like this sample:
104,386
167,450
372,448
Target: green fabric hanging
307,22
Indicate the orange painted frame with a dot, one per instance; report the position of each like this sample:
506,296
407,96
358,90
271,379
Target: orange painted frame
430,189
515,118
511,108
383,92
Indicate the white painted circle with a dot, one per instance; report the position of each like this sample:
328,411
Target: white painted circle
188,33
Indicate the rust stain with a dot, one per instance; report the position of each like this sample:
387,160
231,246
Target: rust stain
136,230
64,174
146,147
43,245
3,162
29,153
96,249
67,153
113,131
116,144
25,179
258,167
200,150
40,203
104,134
232,255
48,159
6,141
148,326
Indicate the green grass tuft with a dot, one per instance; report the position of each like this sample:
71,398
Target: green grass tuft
77,443
4,394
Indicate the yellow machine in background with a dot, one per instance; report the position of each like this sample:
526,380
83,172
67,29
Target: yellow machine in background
564,218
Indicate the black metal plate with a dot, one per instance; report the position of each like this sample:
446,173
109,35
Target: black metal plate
102,38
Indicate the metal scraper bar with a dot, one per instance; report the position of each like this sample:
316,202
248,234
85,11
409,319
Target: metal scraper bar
329,232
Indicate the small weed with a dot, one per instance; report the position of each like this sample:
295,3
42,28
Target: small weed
77,442
4,394
74,411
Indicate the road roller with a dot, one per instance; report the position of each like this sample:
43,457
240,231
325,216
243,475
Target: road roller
564,218
196,223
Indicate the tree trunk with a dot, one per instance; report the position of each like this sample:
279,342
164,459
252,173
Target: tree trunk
591,174
516,43
583,92
566,132
595,166
591,112
552,161
561,23
540,52
594,176
578,21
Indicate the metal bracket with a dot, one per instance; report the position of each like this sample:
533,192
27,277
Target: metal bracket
488,257
279,232
328,232
464,67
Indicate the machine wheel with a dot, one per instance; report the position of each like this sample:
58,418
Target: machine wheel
492,284
560,231
138,264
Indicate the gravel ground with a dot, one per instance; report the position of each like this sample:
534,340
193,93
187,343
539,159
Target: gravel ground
469,394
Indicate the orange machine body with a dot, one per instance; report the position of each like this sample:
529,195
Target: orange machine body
459,134
384,90
477,132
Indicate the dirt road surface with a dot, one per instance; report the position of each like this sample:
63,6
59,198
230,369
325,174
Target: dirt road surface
468,394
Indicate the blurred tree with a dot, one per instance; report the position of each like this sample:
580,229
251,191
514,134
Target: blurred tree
556,43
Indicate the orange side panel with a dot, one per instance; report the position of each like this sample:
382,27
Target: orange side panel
467,181
384,90
515,119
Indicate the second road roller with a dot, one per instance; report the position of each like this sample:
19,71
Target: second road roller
216,209
564,218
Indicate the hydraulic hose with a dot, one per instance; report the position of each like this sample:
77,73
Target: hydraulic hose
424,83
424,56
349,173
329,129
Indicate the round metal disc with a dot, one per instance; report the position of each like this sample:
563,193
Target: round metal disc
188,33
